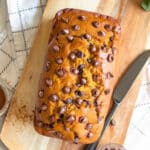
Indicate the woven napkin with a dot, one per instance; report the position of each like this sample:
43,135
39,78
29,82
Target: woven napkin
19,20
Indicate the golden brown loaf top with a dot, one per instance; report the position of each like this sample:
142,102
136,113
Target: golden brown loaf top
76,81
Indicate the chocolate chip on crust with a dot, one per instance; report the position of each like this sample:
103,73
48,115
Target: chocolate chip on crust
89,126
53,97
60,72
64,20
70,118
56,48
76,27
83,119
95,24
82,18
48,82
65,31
41,93
66,89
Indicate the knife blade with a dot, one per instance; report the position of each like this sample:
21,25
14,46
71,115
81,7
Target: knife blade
121,90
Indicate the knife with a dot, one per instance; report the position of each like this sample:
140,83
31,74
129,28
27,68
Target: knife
121,90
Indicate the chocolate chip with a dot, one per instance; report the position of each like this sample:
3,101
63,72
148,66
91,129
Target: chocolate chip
62,109
48,82
51,125
43,107
97,102
111,38
76,140
95,92
107,27
70,38
95,24
66,89
117,29
72,56
87,103
82,18
104,45
95,77
60,72
79,93
87,36
39,110
74,71
83,81
65,31
65,20
83,119
39,123
80,68
61,116
53,97
89,60
89,126
56,48
59,60
76,27
92,48
103,49
41,93
48,65
68,101
113,122
101,33
109,75
78,101
70,118
51,118
98,108
59,120
96,63
106,92
48,126
67,128
90,134
110,57
78,84
58,134
79,54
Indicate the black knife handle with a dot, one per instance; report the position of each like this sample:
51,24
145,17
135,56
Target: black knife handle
93,146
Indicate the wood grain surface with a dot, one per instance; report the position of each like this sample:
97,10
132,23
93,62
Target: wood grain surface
18,132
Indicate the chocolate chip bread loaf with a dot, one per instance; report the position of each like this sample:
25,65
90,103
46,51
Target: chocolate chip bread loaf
77,78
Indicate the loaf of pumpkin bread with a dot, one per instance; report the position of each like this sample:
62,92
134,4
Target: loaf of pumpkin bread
77,79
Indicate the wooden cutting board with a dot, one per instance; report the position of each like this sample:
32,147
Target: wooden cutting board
18,132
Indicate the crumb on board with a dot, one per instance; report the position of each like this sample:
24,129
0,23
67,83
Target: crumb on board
19,112
23,114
